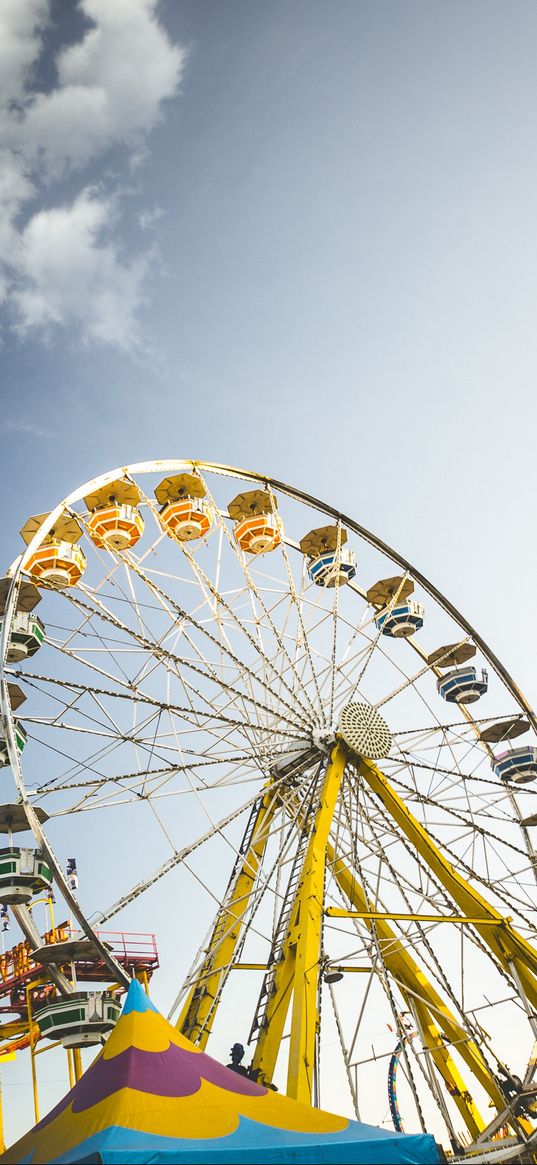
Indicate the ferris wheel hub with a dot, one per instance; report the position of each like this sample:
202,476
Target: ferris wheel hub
324,738
365,731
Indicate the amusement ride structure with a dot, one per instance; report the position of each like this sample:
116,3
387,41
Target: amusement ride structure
240,703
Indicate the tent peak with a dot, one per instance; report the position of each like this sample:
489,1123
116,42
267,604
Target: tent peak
137,999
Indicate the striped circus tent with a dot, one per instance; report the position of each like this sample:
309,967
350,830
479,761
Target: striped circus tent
152,1096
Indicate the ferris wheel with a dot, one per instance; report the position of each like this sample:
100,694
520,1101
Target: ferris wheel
243,707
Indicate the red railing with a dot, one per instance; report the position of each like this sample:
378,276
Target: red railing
135,951
131,946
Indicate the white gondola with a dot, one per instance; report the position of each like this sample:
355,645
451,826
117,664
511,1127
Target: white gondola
20,740
23,873
26,636
79,1020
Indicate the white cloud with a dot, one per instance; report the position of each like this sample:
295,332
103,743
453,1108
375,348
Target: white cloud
111,86
64,265
71,273
15,190
21,22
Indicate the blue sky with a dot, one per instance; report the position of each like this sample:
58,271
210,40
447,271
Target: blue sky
294,237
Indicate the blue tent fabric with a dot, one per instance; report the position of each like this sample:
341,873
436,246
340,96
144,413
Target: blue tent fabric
152,1096
359,1144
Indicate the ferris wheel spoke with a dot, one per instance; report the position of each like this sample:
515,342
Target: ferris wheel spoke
298,607
222,646
255,593
375,642
175,662
196,719
469,822
177,858
100,800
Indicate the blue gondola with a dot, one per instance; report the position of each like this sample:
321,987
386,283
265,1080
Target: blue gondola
518,765
402,621
462,685
326,571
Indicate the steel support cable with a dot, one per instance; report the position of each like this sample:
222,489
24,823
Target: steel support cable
204,715
443,845
480,829
384,979
305,638
33,680
474,1030
474,937
172,862
172,659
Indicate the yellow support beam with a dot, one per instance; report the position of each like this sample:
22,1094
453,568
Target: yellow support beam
70,1067
12,1029
503,940
199,1011
306,936
337,912
297,976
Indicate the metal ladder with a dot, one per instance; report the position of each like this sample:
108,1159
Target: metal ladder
205,965
280,936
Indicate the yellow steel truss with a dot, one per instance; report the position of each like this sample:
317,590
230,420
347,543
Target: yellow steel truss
297,975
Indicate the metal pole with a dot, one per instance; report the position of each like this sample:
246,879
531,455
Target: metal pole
32,1053
70,1067
2,1142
